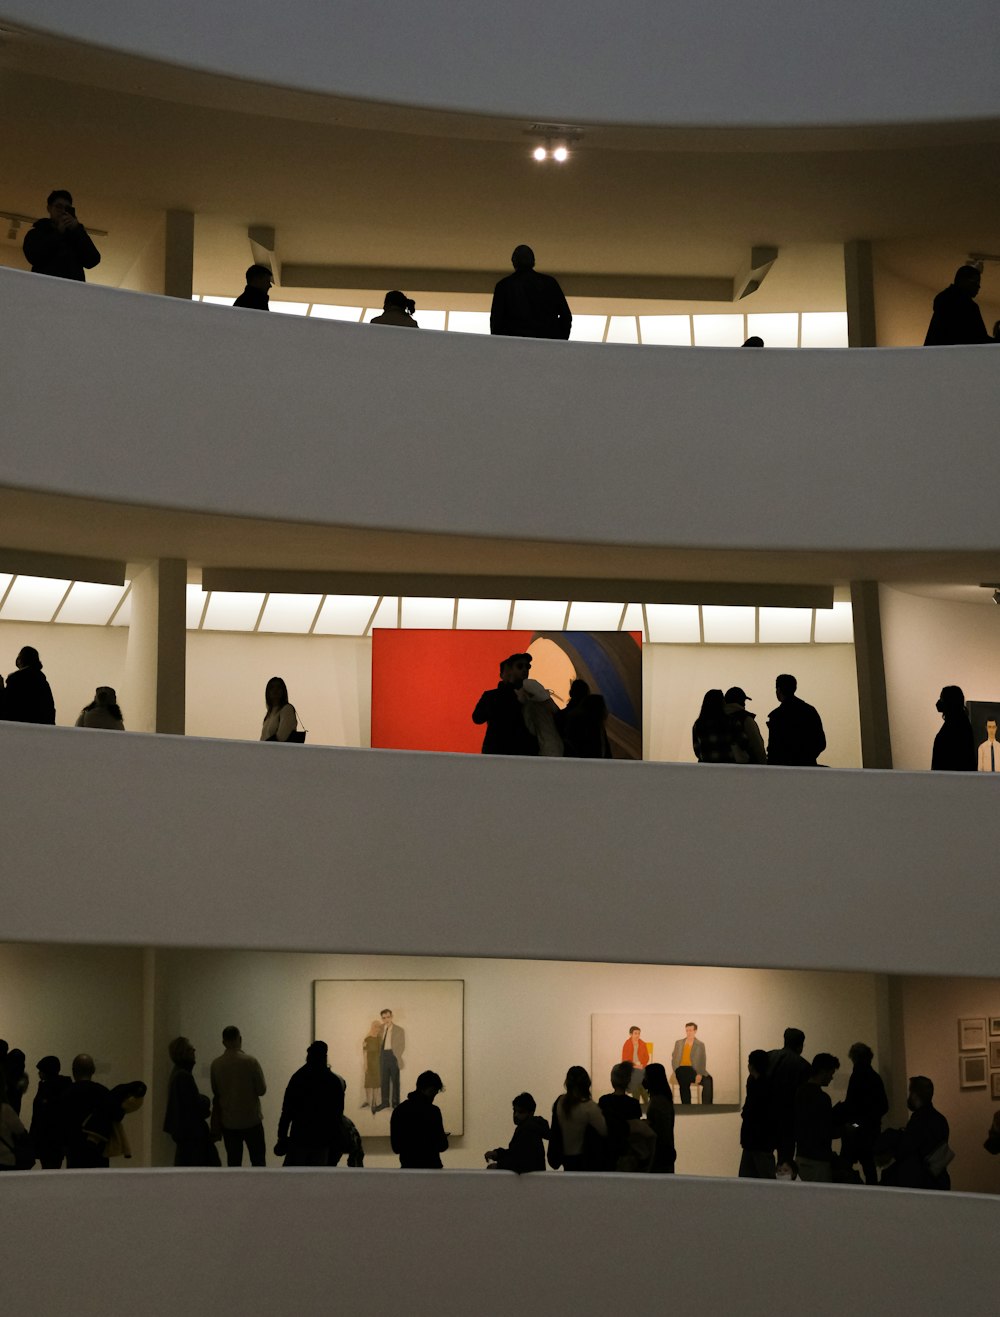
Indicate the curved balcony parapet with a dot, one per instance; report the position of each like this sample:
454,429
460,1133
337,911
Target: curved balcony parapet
581,61
451,855
161,403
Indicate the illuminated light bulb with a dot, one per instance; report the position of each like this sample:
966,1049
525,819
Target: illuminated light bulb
539,153
560,153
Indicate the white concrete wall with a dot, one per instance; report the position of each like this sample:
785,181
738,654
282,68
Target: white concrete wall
76,660
171,841
183,404
431,1242
930,643
583,60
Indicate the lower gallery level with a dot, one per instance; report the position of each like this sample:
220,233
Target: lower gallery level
495,1028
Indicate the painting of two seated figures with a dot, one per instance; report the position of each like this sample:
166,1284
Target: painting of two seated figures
701,1054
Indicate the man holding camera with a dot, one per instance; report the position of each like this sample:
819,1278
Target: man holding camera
60,245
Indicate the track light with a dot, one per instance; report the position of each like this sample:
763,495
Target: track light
554,141
540,153
561,153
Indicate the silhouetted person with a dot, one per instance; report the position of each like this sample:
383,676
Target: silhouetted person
46,1121
60,245
187,1113
920,1150
527,304
718,738
87,1115
582,723
15,1078
416,1130
311,1127
754,341
794,729
860,1114
254,296
787,1069
102,712
29,696
814,1127
956,317
619,1107
736,708
281,720
238,1086
526,1150
502,710
578,1141
397,309
660,1117
756,1129
955,745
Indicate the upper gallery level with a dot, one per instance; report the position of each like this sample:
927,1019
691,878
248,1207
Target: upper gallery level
581,62
161,403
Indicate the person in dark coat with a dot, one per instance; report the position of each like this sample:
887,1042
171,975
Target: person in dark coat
860,1114
660,1117
416,1130
46,1125
794,729
619,1107
87,1115
527,304
60,245
814,1125
787,1069
186,1118
955,744
311,1128
956,317
526,1150
254,296
718,737
918,1151
582,723
756,1130
502,710
29,695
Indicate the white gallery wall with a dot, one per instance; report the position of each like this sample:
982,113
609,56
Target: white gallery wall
930,643
526,1022
76,660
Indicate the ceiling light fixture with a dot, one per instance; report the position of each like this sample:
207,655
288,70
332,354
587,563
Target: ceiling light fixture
556,141
540,153
561,153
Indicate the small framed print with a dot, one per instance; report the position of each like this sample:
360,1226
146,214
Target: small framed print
995,1053
972,1034
995,1086
995,1026
973,1072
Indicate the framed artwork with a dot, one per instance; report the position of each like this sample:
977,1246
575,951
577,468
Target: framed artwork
995,1026
423,1023
426,683
995,1086
972,1072
972,1034
995,1053
985,717
714,1045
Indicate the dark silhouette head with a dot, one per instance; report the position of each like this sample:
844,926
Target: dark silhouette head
736,695
655,1081
861,1054
951,700
83,1067
713,705
28,658
275,694
231,1036
181,1052
515,669
968,279
754,341
523,1106
578,689
921,1092
259,276
48,1067
621,1074
429,1083
397,301
795,1040
577,1086
317,1053
105,697
522,257
824,1067
785,685
59,194
757,1062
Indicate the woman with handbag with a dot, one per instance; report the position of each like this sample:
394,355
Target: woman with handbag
579,1139
280,720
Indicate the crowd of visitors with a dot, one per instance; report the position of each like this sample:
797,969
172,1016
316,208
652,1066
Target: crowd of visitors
725,732
789,1124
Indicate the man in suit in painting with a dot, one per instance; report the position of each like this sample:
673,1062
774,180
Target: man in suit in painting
989,751
689,1064
391,1046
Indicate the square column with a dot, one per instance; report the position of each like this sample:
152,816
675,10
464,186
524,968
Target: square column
156,657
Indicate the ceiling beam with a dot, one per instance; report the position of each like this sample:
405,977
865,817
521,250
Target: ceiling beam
62,566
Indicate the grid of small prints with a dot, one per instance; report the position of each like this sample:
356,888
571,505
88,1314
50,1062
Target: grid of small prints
979,1053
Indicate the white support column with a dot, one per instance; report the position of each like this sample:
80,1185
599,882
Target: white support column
157,638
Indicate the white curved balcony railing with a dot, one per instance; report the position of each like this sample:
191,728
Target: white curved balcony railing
143,840
581,61
155,402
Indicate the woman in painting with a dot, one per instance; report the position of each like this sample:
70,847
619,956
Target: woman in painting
373,1078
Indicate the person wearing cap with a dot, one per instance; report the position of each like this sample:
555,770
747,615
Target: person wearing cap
736,707
527,304
102,712
311,1128
46,1118
502,710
